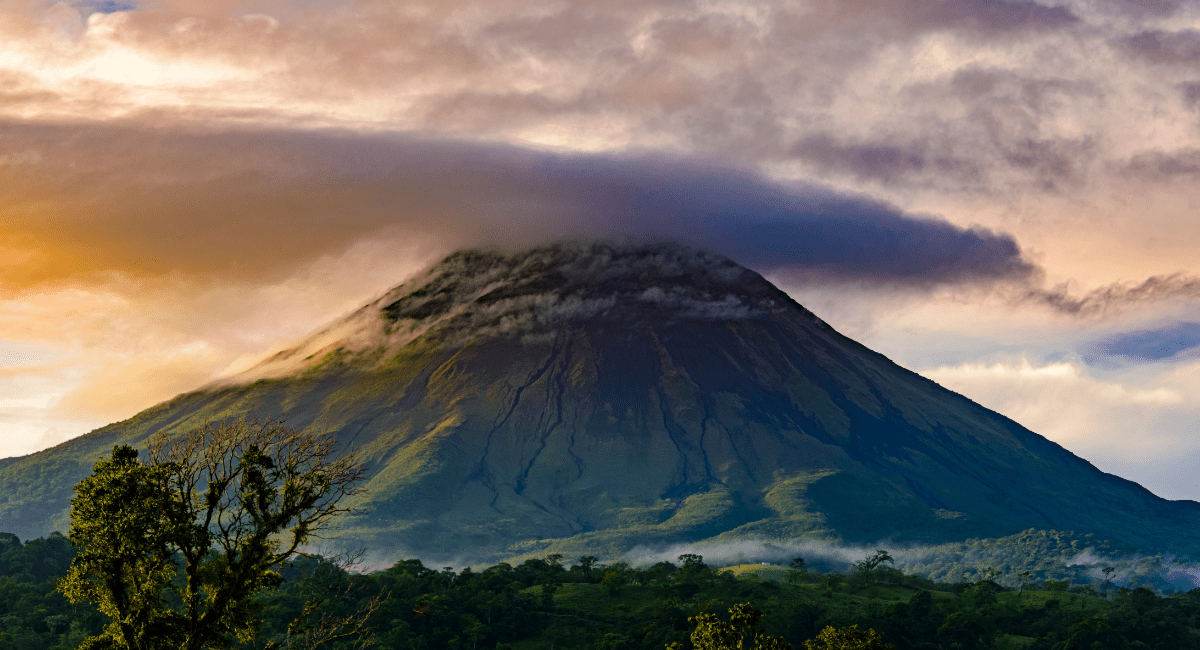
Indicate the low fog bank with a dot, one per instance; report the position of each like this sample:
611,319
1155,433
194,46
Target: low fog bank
1078,560
1075,561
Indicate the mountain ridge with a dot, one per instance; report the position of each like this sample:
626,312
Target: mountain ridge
591,397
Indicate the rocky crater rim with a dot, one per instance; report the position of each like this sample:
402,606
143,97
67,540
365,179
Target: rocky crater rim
478,293
585,280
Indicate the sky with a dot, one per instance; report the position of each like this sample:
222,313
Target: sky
998,194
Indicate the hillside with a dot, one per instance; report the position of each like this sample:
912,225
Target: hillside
593,398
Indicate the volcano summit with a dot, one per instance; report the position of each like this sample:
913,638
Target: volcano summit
588,398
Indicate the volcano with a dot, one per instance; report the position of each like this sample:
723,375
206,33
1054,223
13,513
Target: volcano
594,397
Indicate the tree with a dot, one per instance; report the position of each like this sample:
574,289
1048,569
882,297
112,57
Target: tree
987,574
614,578
981,594
123,521
797,571
871,563
587,564
969,630
864,568
692,565
1025,577
1087,634
1108,578
174,548
848,638
740,633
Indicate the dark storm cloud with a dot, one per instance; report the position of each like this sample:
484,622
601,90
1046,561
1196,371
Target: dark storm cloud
807,233
147,201
1116,296
1157,344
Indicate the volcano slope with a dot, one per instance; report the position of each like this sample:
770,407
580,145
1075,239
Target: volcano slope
595,397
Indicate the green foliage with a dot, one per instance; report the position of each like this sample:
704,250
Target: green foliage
1034,557
1087,634
692,567
870,563
33,614
174,550
797,571
848,638
544,602
126,521
740,633
967,630
37,561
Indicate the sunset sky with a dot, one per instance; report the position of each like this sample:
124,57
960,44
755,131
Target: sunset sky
1000,195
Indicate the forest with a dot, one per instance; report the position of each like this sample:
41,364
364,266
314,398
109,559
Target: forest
561,604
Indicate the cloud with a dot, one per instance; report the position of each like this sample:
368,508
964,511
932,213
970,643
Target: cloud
1003,16
29,394
974,96
1171,47
714,77
1156,344
81,354
971,558
1146,7
147,202
884,161
973,128
990,18
104,6
1095,416
1163,165
1115,297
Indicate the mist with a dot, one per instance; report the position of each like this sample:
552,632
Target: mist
953,562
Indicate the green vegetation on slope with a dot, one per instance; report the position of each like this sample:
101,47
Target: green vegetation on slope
546,402
546,603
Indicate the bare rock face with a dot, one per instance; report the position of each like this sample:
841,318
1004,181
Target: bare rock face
592,397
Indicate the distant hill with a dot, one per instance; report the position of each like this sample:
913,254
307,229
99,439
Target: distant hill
594,397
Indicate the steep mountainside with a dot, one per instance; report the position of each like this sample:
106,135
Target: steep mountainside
595,397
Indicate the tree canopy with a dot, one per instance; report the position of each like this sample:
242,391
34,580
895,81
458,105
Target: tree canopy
173,548
740,633
539,604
